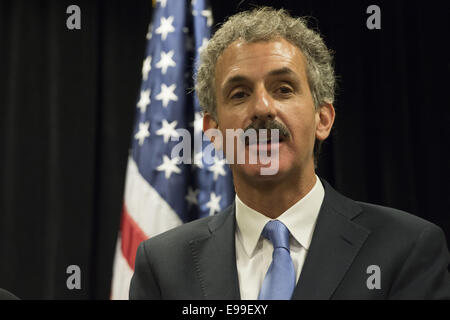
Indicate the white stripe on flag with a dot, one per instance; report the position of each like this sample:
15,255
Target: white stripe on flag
122,274
144,204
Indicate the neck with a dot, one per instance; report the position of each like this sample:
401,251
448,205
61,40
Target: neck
272,198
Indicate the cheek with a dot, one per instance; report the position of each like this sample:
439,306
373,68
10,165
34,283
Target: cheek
230,119
304,129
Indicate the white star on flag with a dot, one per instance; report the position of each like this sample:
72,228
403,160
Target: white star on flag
166,61
203,46
208,15
198,160
197,123
165,27
144,100
169,166
191,197
146,67
163,3
213,203
168,130
217,168
143,132
167,94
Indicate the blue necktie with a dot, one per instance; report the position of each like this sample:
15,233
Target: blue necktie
279,282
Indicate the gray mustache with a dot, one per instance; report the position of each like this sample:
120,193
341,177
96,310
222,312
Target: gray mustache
270,124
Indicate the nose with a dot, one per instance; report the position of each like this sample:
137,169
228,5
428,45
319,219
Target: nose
263,106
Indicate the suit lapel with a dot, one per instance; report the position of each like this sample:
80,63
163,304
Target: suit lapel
335,243
215,259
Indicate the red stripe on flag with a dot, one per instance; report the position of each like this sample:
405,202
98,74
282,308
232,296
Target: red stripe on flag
132,236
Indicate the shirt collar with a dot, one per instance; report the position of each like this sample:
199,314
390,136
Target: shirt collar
300,219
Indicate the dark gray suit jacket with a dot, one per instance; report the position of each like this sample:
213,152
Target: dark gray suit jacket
197,260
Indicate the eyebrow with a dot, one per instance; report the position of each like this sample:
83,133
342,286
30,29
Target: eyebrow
276,72
281,71
234,79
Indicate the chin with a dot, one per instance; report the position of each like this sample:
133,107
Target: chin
259,172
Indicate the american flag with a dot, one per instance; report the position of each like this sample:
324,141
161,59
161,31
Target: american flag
160,192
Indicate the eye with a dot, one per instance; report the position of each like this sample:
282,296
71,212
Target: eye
238,95
284,90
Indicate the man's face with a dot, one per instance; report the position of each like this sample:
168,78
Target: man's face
263,81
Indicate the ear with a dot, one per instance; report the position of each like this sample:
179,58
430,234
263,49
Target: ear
324,121
209,123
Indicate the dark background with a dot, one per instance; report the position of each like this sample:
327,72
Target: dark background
67,100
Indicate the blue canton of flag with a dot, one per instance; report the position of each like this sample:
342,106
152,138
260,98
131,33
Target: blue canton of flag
180,31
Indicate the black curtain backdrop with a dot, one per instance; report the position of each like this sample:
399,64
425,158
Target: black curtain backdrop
67,101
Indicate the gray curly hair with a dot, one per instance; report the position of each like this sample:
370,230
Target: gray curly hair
265,24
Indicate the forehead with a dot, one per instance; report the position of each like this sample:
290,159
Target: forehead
257,59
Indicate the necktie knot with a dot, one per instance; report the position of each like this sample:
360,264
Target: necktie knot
277,233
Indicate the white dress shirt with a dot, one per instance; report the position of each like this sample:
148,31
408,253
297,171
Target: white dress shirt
254,253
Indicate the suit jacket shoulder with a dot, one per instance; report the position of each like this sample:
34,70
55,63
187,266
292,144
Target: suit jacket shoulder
409,253
378,216
168,265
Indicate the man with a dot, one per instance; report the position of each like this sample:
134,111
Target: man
288,235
